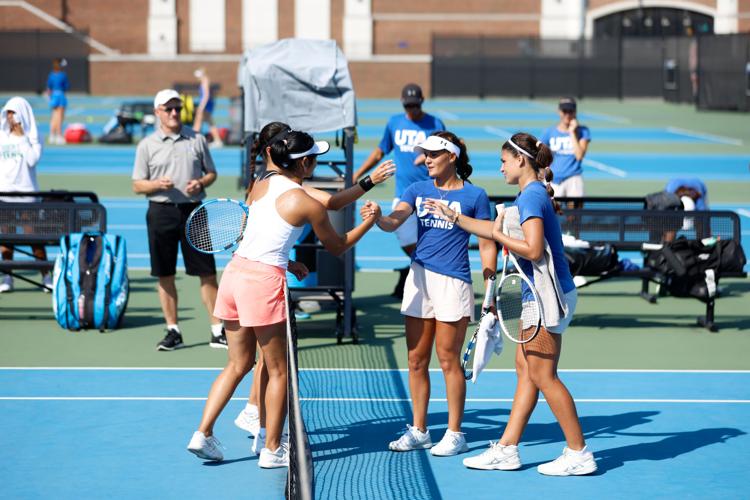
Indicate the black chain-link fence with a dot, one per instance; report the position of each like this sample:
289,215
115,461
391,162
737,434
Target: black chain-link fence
724,72
26,60
670,67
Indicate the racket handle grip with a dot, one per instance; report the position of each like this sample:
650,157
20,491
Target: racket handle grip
488,293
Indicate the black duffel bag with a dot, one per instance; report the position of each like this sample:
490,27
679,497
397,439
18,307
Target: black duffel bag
592,261
690,267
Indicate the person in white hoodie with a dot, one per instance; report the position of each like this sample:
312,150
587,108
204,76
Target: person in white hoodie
20,151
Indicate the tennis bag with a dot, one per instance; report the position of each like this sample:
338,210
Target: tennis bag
593,261
90,287
690,268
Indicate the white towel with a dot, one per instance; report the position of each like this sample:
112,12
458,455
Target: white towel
489,341
554,307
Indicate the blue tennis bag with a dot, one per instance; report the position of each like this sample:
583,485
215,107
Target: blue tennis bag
90,287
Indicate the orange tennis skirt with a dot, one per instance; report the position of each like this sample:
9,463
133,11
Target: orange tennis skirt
252,293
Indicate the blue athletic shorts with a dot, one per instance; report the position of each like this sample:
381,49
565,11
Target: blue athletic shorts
57,99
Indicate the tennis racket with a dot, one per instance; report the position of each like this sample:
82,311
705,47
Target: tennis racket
216,225
467,359
520,317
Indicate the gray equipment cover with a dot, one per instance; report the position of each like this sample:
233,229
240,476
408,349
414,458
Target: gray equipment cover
304,83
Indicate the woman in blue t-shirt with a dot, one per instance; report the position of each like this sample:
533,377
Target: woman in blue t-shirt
57,85
438,300
526,162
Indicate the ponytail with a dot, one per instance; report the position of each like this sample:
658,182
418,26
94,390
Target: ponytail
268,135
539,156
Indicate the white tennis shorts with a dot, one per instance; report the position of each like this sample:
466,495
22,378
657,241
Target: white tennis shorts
433,295
406,232
572,299
572,187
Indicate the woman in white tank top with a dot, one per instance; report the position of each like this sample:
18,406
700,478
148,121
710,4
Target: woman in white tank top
249,417
251,293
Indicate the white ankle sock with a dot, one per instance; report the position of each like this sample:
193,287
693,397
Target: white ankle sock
173,327
216,329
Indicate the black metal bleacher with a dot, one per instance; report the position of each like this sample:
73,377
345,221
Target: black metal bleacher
44,222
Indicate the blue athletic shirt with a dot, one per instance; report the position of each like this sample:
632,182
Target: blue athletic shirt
534,201
210,103
564,163
400,136
57,81
442,247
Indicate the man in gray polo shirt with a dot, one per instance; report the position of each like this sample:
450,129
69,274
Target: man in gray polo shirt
173,168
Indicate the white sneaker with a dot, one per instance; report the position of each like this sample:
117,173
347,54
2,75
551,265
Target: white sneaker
497,457
7,284
207,448
570,463
47,282
259,441
452,443
249,420
274,459
412,439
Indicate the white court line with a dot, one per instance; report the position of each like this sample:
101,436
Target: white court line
743,212
498,132
709,137
368,400
375,370
605,168
447,114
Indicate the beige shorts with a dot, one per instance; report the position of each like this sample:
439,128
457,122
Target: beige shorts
433,295
572,187
406,232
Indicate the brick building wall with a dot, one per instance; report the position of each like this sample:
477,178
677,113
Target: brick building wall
402,35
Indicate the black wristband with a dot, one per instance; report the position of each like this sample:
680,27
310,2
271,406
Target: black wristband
366,183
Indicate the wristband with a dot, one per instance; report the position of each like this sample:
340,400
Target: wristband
366,183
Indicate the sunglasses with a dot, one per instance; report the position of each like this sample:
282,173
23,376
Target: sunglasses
169,109
435,154
412,106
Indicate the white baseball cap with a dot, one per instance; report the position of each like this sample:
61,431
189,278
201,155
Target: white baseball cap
164,96
435,143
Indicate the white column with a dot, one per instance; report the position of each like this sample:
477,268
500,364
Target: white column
312,19
562,19
260,22
726,20
162,27
208,32
358,28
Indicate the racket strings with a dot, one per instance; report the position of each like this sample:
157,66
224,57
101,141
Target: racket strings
216,226
519,319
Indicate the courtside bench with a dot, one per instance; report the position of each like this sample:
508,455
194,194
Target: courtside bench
649,230
44,222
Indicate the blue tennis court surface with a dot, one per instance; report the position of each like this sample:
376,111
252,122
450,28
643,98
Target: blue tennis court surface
122,433
118,161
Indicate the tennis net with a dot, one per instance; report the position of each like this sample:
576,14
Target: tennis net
300,476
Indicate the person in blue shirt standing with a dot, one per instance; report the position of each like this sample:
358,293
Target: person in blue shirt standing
526,162
402,133
204,111
57,85
568,141
438,300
